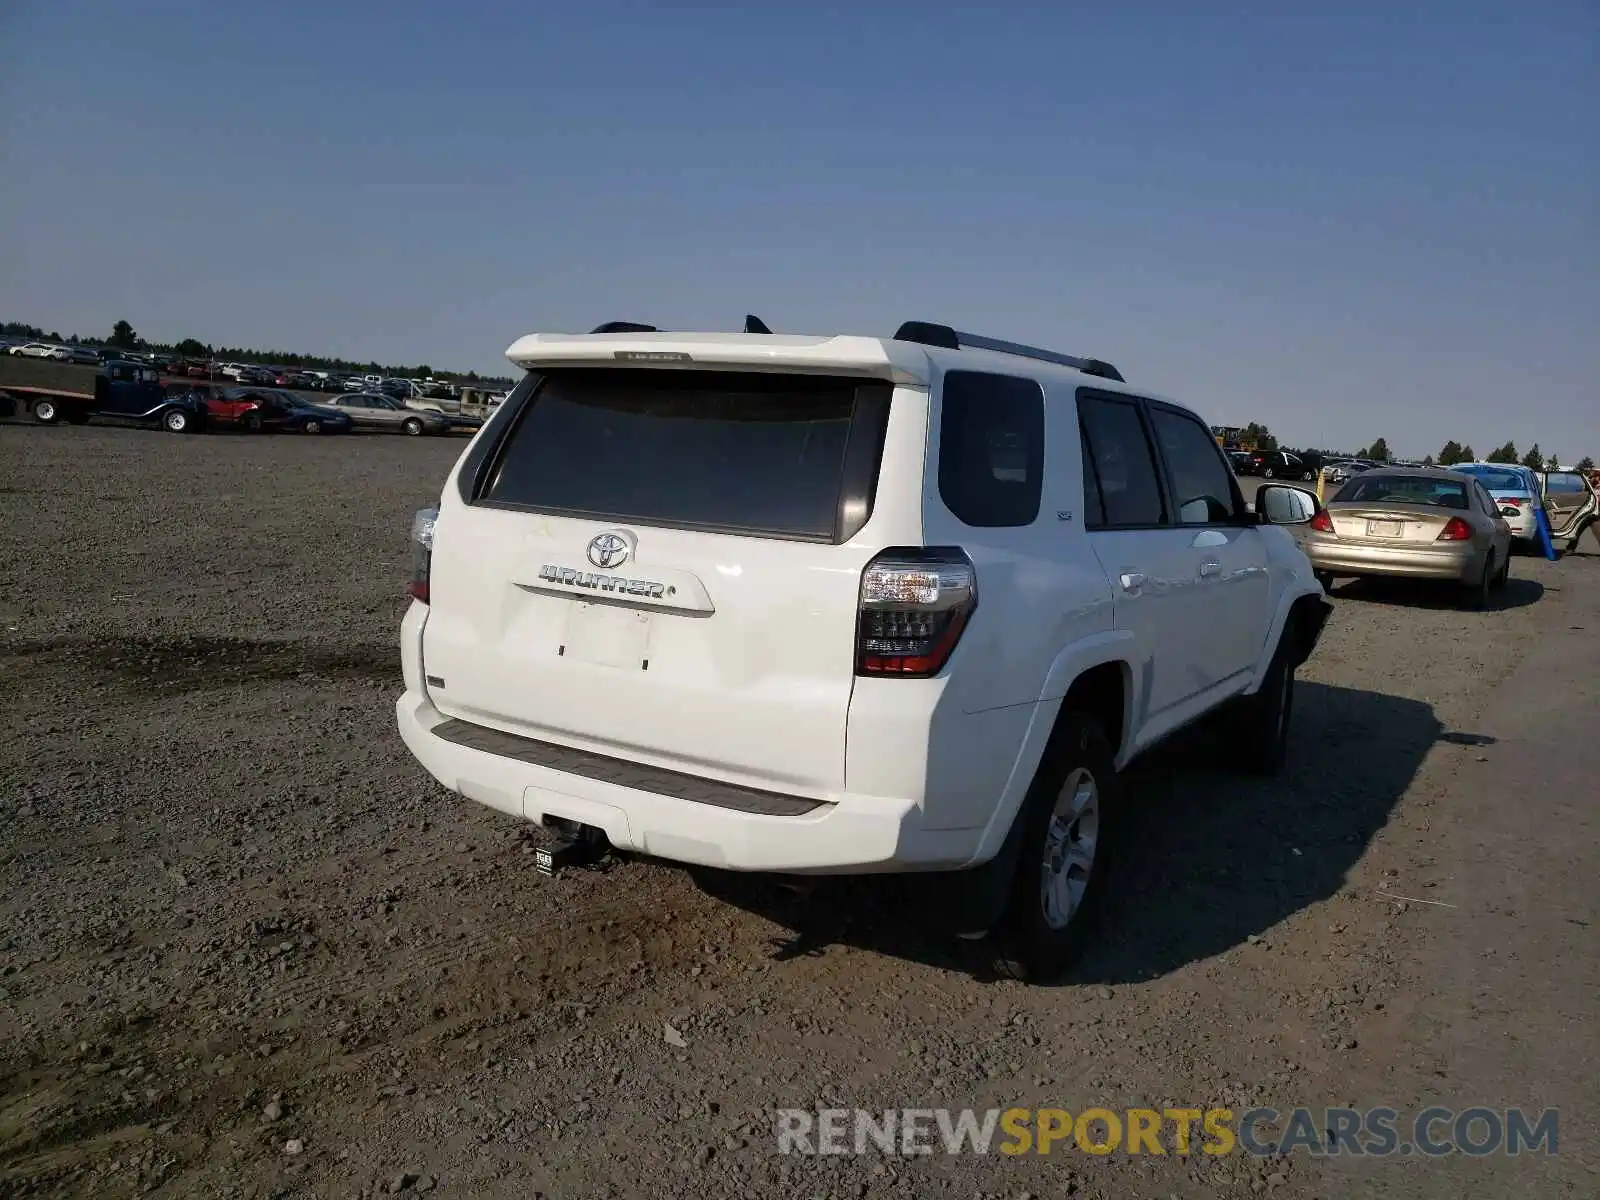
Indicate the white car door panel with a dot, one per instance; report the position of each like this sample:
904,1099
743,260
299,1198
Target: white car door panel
1231,603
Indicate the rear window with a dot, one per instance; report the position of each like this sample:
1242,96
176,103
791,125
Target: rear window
1497,481
738,452
1404,489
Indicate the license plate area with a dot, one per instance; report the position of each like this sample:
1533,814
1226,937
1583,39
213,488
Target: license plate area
607,635
1386,529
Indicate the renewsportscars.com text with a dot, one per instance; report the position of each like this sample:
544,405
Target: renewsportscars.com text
1264,1132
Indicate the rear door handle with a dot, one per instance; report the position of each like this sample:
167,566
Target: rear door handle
1131,582
1209,568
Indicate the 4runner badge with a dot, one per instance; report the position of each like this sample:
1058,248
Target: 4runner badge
567,577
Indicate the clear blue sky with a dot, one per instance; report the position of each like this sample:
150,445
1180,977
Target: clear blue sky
1345,220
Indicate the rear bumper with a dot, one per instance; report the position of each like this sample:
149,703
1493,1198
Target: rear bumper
1452,562
853,834
1524,528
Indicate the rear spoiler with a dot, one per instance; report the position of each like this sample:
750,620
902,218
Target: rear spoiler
868,357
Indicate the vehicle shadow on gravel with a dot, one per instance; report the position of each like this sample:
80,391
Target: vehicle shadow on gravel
1410,593
1209,857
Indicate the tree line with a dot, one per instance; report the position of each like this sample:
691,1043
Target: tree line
1453,452
125,337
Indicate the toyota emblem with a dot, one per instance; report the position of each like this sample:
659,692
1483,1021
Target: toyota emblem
608,550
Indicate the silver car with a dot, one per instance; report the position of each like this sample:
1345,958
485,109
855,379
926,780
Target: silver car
1420,523
368,410
1517,490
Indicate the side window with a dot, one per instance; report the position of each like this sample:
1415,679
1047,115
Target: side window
991,448
1203,486
1094,509
1119,479
1484,500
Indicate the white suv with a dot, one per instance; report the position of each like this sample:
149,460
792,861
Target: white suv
830,605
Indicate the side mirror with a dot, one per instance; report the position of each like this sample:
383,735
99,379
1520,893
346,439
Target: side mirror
1280,505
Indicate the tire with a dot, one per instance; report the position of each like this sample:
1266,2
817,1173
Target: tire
1479,596
1267,474
252,423
1261,722
77,417
46,413
1067,838
412,427
312,426
1323,578
1308,476
1503,576
175,420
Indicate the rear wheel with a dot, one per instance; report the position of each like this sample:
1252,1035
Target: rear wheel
1479,596
175,420
252,422
1262,720
46,412
1267,473
412,427
1504,574
313,426
1324,579
1061,865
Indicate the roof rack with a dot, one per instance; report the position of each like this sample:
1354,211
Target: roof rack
752,324
927,333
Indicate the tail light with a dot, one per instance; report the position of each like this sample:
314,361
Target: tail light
915,603
1455,530
1322,522
421,552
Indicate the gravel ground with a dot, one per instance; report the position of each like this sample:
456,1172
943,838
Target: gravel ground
248,948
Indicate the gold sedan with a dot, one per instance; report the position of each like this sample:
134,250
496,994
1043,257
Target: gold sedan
1418,523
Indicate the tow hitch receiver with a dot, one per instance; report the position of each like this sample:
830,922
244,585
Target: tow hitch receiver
574,846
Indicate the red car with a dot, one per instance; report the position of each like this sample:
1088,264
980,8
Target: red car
241,408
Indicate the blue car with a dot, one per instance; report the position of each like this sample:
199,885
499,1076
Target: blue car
302,416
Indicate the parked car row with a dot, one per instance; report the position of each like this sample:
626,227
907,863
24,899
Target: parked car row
250,374
132,393
261,410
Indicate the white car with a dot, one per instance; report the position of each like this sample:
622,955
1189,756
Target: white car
1517,490
837,605
42,350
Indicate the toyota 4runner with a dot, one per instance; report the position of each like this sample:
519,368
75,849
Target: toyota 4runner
835,605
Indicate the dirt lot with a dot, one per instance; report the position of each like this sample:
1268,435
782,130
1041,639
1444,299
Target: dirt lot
247,948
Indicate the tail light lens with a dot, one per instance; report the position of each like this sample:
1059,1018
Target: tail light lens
1322,522
915,603
1455,530
421,552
